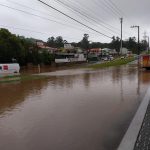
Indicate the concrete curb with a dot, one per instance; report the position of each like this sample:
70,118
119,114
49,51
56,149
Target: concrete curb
131,135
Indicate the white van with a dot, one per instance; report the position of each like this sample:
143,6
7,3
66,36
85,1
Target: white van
9,69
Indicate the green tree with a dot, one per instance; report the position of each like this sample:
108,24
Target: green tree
10,47
51,42
59,41
131,44
85,42
115,44
46,57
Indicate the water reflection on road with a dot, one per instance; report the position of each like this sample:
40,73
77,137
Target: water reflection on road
71,110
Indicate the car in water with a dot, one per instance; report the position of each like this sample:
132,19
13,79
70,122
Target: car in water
111,57
9,69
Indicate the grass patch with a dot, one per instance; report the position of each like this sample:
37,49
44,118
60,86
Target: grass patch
21,78
116,62
32,77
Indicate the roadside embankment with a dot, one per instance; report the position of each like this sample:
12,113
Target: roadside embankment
116,62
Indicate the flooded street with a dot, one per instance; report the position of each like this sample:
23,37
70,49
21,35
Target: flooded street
71,110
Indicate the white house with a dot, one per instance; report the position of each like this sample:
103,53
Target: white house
68,46
107,51
124,51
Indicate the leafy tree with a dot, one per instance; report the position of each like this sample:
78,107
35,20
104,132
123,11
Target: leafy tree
115,44
10,47
56,42
85,42
131,44
59,41
46,57
51,42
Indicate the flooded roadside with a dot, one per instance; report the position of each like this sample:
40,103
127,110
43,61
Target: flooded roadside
50,68
74,110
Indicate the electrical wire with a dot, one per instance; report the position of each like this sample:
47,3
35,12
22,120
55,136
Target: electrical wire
42,17
92,14
16,3
73,19
84,15
78,9
28,30
109,6
116,7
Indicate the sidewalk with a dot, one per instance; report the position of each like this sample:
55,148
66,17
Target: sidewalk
143,140
137,136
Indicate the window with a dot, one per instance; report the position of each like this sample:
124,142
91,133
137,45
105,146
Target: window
0,67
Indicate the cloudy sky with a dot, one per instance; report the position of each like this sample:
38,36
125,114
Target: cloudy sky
31,18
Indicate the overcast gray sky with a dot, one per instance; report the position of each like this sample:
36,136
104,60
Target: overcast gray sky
39,21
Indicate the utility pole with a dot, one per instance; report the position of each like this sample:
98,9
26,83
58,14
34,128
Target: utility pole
148,44
146,38
121,21
138,37
138,41
39,68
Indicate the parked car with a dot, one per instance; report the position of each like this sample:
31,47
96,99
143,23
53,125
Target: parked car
122,57
111,58
9,69
105,58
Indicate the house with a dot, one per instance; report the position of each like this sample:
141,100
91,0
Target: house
113,52
96,51
94,54
68,46
105,51
108,51
79,50
124,51
43,46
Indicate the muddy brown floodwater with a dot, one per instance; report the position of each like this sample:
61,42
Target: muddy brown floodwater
71,110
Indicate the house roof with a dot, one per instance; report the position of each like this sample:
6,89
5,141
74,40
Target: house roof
95,49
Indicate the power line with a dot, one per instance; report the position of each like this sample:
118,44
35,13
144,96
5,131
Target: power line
113,8
74,19
97,19
80,9
16,3
41,17
104,8
28,30
31,14
116,7
84,14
